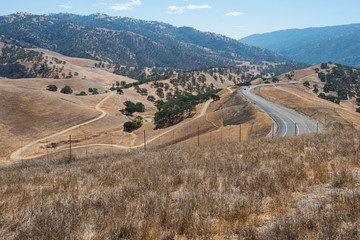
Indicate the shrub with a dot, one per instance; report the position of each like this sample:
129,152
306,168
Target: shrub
133,125
52,88
82,93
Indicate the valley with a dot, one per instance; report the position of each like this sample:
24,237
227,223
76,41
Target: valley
119,128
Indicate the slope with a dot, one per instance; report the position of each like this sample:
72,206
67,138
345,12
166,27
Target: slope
338,44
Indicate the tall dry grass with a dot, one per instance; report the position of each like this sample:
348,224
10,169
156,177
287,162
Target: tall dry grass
303,187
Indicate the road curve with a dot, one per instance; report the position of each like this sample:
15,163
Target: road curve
287,122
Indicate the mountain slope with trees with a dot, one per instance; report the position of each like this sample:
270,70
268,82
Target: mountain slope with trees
338,44
128,41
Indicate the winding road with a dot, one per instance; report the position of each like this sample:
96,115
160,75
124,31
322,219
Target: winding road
287,122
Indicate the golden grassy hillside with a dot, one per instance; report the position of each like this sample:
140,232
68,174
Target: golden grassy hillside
303,187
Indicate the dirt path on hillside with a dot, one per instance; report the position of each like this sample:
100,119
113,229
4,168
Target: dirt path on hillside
18,154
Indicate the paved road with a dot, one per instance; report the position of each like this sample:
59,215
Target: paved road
287,122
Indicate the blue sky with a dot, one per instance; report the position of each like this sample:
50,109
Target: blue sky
233,18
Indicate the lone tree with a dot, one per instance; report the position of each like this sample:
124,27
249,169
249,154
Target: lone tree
324,66
52,88
306,84
160,92
215,97
322,76
119,90
66,90
275,80
151,98
316,90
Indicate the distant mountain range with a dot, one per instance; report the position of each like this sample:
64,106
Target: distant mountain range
128,41
339,44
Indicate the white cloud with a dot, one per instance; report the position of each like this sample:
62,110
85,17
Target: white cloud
176,9
194,7
234,14
66,6
126,6
103,3
239,26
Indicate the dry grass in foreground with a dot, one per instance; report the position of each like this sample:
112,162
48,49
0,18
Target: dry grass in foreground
303,187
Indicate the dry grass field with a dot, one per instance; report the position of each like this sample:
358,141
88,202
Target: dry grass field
305,187
31,112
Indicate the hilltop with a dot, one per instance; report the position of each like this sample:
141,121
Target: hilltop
339,44
129,42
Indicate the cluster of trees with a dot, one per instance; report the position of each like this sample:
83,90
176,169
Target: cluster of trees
13,59
179,107
131,108
343,80
66,90
282,68
330,98
93,91
14,71
247,83
12,54
140,73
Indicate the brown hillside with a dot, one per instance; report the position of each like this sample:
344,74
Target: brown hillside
260,189
302,99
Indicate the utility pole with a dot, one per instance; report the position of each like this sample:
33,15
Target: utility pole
129,143
317,128
174,136
47,150
70,148
240,134
144,140
198,136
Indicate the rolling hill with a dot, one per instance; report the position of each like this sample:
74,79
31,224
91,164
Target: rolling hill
129,42
339,44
